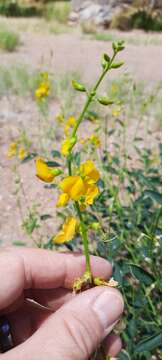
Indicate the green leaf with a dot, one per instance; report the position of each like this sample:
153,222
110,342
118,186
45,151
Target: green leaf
105,100
56,154
150,343
53,164
117,65
142,275
105,61
45,217
29,157
77,86
123,355
118,46
154,195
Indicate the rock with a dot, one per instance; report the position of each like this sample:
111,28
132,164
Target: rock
99,12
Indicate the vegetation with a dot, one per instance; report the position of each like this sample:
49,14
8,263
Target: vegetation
131,38
9,40
58,11
124,221
15,9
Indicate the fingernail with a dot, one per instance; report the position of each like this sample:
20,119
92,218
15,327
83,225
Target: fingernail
108,307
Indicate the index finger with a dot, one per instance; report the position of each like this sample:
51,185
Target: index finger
42,269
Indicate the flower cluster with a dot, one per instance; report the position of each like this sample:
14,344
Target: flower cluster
81,187
44,87
16,150
93,140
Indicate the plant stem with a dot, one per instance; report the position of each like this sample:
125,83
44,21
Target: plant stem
84,238
91,96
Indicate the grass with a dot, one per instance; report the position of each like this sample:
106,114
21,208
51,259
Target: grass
9,40
138,39
58,28
22,81
58,11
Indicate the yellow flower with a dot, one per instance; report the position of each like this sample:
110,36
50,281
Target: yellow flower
44,172
73,186
12,150
67,145
80,188
89,172
90,193
69,124
42,91
67,232
22,153
116,112
94,139
60,118
63,200
83,141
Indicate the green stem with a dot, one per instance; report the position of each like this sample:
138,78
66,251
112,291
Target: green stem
84,238
69,162
91,96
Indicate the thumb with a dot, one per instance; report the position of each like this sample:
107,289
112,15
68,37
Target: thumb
76,329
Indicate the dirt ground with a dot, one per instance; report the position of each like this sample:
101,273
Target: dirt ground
71,51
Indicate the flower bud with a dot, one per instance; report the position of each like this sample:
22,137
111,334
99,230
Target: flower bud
77,86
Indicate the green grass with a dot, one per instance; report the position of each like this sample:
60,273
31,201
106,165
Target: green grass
129,39
58,28
9,40
58,11
21,81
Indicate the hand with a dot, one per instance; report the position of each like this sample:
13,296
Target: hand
67,326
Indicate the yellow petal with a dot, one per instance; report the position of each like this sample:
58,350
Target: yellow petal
73,186
62,200
77,190
42,91
67,183
60,118
43,171
12,150
91,192
89,171
67,232
71,121
65,147
22,154
94,139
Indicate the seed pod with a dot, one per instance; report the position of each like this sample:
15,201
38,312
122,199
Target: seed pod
77,86
105,101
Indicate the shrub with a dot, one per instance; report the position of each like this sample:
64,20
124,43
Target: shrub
88,27
142,19
8,39
57,11
9,8
122,19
